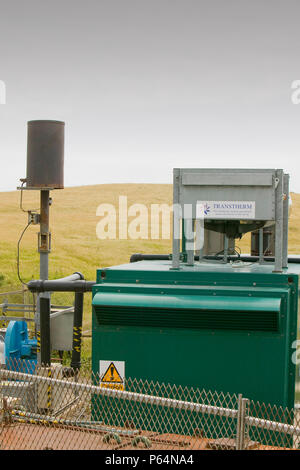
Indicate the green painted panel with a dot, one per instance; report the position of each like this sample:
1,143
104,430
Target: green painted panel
212,328
187,302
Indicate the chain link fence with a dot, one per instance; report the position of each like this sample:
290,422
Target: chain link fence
57,408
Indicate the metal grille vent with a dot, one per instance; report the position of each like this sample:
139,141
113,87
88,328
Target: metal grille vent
267,321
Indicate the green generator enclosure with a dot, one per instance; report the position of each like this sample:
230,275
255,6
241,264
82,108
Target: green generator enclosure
213,326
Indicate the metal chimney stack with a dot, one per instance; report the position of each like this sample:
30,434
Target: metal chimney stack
45,155
45,172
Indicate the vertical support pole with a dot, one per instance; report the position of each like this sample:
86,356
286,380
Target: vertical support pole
243,433
38,338
176,220
261,245
45,331
286,190
190,242
225,248
44,235
199,230
44,249
49,391
241,437
77,331
279,222
43,303
183,240
238,423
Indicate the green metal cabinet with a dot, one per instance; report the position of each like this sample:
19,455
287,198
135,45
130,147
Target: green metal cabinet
211,326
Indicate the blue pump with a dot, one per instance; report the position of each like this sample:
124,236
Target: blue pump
20,351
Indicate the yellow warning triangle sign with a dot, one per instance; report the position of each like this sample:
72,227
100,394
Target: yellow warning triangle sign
112,375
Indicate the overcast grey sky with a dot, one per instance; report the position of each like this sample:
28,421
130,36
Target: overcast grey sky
148,85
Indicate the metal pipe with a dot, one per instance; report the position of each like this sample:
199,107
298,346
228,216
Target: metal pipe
90,425
286,199
65,407
176,220
44,246
273,425
44,236
43,249
238,424
77,331
279,223
45,331
73,277
73,283
141,257
261,244
61,286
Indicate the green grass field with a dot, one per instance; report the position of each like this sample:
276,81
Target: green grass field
73,221
75,246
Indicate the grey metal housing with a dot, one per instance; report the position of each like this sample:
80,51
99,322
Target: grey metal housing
45,154
267,189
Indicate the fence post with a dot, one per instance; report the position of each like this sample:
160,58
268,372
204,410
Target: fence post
238,423
241,431
243,422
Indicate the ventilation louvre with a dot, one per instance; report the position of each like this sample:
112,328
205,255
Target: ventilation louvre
198,319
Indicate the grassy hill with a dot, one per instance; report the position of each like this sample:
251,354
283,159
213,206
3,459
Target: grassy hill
73,220
75,246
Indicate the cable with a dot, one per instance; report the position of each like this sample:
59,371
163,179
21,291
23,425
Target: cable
21,200
242,264
18,265
235,253
21,197
18,254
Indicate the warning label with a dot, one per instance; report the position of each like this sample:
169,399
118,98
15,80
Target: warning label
112,374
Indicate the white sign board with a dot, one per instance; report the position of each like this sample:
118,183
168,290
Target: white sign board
242,210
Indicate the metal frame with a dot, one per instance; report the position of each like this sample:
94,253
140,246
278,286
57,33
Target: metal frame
269,188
